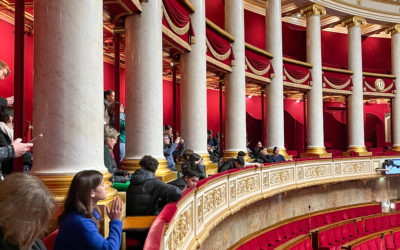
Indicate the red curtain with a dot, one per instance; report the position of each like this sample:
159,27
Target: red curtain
370,80
177,13
297,72
337,79
259,62
221,46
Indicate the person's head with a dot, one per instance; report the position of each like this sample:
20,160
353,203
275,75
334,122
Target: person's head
209,133
239,162
109,95
7,116
259,144
209,148
276,151
110,136
166,139
241,154
27,207
87,187
111,109
4,70
186,154
149,163
195,158
168,130
264,151
191,176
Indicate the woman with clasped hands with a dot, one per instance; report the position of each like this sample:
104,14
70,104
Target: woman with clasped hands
78,224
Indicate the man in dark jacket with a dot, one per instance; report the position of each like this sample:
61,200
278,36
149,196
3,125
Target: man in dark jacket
145,190
263,156
189,179
231,164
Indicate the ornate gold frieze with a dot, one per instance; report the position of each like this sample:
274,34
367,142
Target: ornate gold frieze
181,229
354,21
214,199
265,180
356,167
338,168
313,9
200,210
233,191
281,177
247,185
300,173
317,171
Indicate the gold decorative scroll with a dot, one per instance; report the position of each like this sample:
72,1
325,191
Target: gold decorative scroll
393,29
354,21
258,72
215,54
332,85
291,78
375,90
313,9
176,29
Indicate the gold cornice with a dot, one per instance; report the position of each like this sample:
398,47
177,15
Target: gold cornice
189,5
297,62
393,29
313,9
258,50
379,75
219,30
337,70
354,21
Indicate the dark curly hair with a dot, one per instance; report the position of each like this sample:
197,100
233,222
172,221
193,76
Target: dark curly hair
149,163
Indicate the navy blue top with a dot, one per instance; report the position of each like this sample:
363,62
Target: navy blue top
77,232
277,158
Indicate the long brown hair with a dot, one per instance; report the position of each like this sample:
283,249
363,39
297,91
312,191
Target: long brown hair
78,198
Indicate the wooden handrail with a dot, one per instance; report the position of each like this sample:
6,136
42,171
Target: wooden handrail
258,50
219,30
189,5
345,71
379,75
137,222
292,242
368,237
297,62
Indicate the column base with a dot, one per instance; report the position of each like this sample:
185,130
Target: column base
316,153
396,149
282,151
359,151
163,173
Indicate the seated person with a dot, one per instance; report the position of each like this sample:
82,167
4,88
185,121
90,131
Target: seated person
171,149
198,162
110,139
79,220
145,190
263,156
276,157
231,164
256,150
189,180
27,207
242,155
214,156
6,135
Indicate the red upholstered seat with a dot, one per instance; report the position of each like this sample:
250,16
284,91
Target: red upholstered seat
380,244
307,244
323,239
287,231
271,239
279,235
396,239
345,232
392,220
262,243
352,230
331,237
356,248
377,224
369,226
364,246
360,228
388,241
338,235
254,244
328,218
385,221
304,225
398,219
50,240
294,248
295,228
372,245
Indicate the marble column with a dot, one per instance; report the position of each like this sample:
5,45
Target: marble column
355,109
315,126
275,113
235,84
68,92
144,89
194,90
395,32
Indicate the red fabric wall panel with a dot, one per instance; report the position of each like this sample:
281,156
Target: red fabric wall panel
294,41
215,11
109,80
254,29
334,49
376,54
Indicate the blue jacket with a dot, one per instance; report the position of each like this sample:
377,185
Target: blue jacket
77,232
170,152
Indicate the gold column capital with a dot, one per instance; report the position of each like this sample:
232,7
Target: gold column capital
354,21
393,29
313,9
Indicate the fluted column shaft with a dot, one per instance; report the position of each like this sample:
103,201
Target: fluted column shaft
315,125
235,86
275,113
194,85
356,108
144,87
395,30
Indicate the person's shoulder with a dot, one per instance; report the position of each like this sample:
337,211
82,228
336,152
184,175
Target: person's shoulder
79,222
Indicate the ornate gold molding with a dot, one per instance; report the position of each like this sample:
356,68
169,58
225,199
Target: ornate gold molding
316,152
393,29
313,9
354,21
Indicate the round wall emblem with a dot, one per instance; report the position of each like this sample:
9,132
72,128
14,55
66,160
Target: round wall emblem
379,84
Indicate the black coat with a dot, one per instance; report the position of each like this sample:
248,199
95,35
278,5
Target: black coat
180,183
6,165
263,159
145,192
225,166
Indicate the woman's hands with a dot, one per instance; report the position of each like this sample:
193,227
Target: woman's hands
116,209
